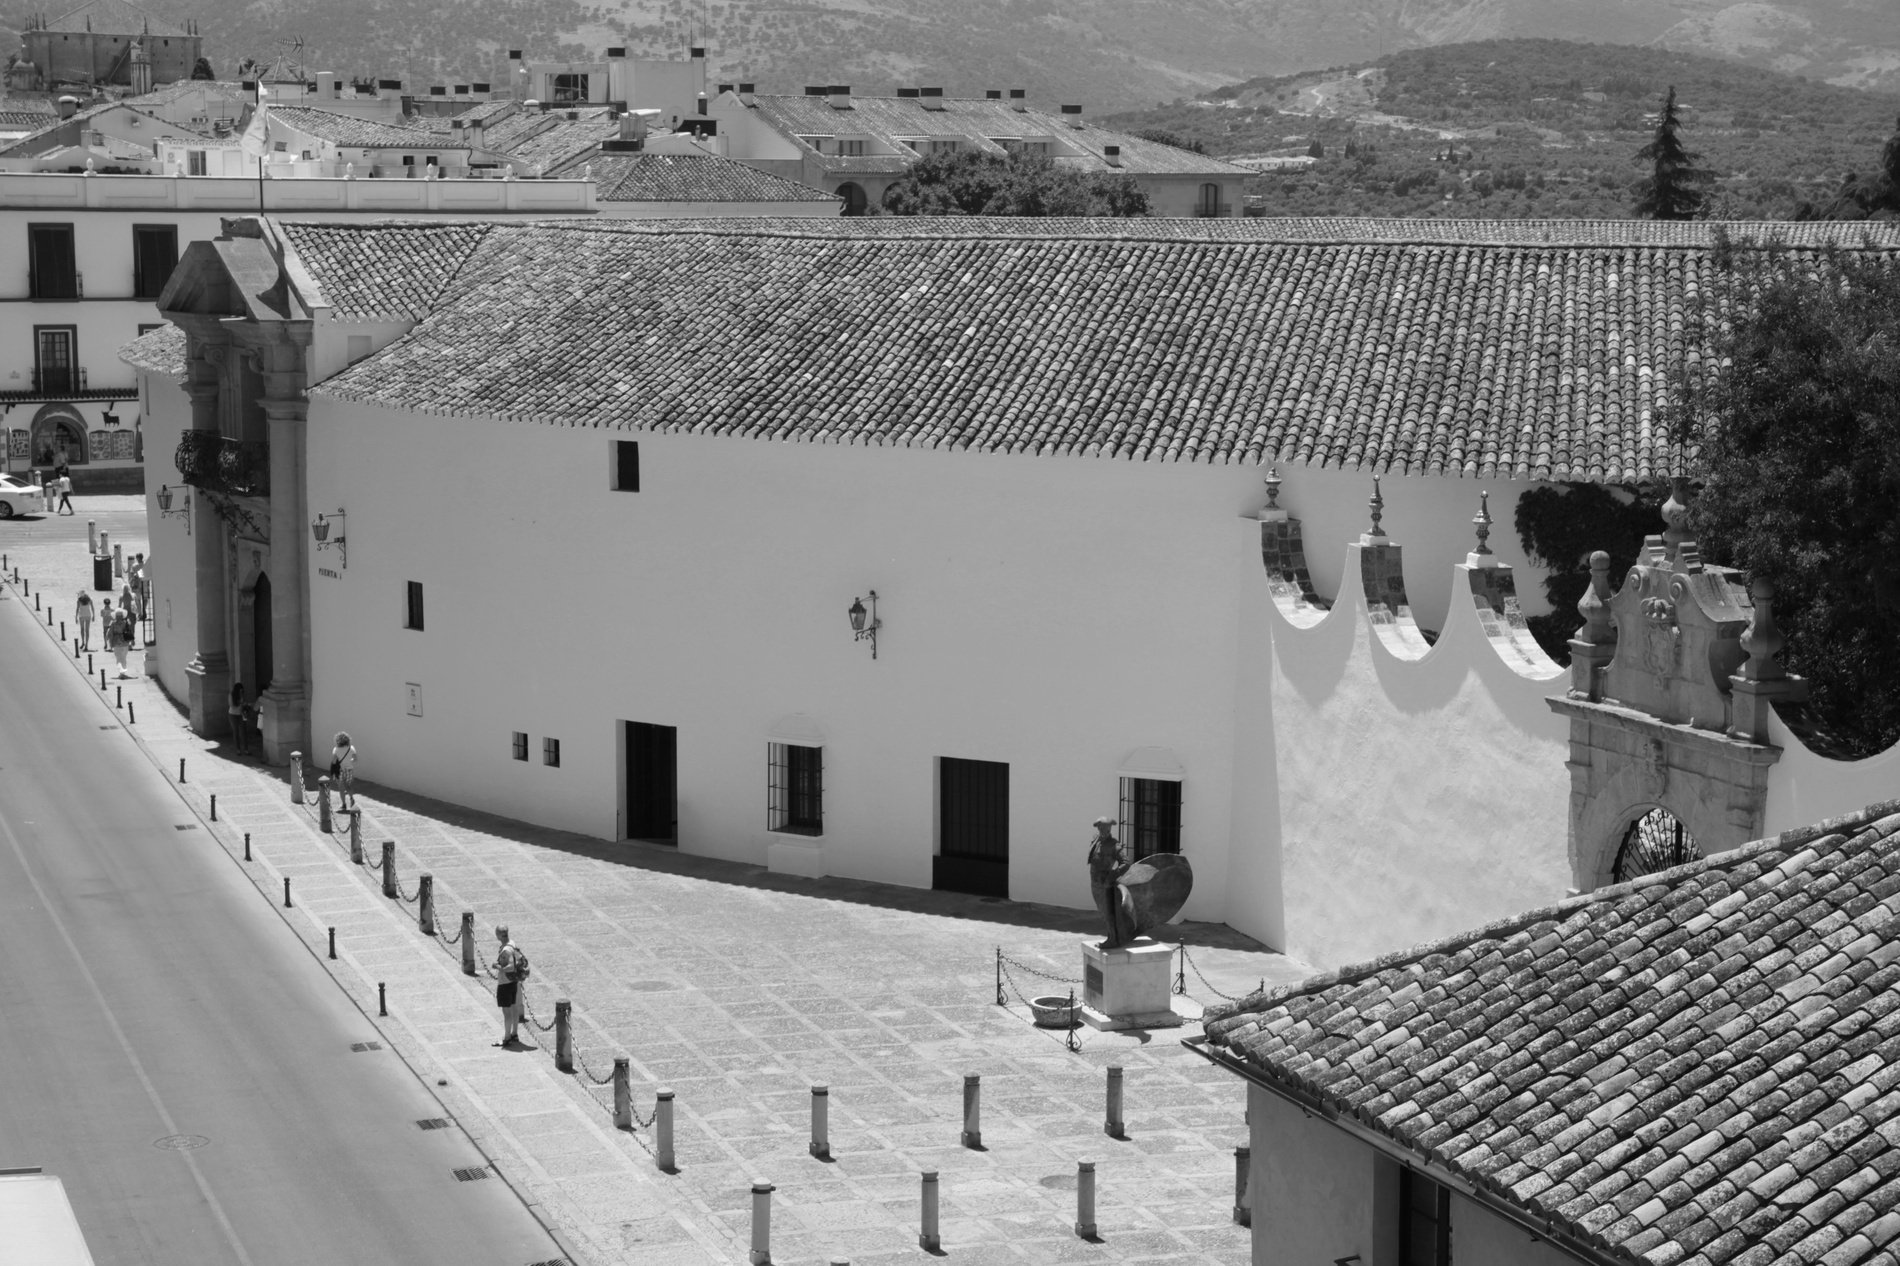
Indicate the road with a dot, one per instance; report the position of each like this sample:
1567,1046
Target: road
172,1051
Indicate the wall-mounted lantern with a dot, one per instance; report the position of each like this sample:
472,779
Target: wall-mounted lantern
166,510
863,627
320,529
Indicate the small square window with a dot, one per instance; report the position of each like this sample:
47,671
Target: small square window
795,797
551,751
626,465
412,615
521,745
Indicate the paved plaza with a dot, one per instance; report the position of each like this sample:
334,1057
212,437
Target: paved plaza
739,990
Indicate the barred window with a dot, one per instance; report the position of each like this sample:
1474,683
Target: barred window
521,745
1151,816
796,793
550,751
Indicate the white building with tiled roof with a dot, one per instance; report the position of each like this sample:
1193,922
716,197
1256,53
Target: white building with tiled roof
857,146
608,491
648,185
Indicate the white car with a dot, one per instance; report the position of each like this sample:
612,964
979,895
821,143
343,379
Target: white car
20,497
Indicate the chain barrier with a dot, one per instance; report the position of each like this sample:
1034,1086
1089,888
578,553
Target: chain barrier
528,1010
448,940
405,896
1068,1041
1065,980
580,1062
1207,984
483,960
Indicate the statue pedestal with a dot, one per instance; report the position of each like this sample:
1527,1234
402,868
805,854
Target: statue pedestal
1130,987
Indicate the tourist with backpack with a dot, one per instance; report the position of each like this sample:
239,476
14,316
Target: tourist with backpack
511,973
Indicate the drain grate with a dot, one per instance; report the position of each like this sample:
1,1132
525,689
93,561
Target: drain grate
475,1174
184,826
366,1046
434,1123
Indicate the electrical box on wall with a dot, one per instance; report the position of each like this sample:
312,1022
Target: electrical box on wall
415,698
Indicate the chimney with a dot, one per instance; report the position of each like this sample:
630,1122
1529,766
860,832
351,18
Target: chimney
1112,155
69,106
326,83
992,94
907,92
1019,99
840,95
819,90
573,116
1072,115
930,92
746,91
699,106
472,130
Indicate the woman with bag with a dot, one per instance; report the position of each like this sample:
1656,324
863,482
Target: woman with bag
343,770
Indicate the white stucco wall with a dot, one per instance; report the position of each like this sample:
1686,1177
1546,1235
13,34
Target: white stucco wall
1480,1237
174,586
1804,788
1416,798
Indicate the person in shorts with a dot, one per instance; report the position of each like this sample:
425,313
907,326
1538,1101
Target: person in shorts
510,965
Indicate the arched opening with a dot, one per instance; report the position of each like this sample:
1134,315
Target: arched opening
1653,842
59,436
854,197
260,635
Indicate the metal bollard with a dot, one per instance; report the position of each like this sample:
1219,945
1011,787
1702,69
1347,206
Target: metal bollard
1243,1204
326,822
821,1122
623,1095
1085,1199
333,943
131,713
356,835
36,602
214,806
468,942
92,536
118,561
286,892
1114,1127
927,1237
62,630
389,868
761,1254
425,904
663,1131
973,1110
296,778
118,696
88,663
181,761
102,679
382,998
105,542
563,1035
247,846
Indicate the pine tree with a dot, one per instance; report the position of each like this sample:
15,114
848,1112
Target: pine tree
1672,190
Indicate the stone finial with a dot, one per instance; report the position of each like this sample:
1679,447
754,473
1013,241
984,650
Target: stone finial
1377,506
1482,522
1762,638
1675,513
1273,487
1598,625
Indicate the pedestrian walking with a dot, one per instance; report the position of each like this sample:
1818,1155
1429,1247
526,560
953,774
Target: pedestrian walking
119,638
343,769
511,972
66,495
240,719
128,602
82,616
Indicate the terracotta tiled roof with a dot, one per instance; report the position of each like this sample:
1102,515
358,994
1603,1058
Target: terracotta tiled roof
162,351
1430,350
549,137
384,272
978,123
348,129
685,178
1698,1067
114,17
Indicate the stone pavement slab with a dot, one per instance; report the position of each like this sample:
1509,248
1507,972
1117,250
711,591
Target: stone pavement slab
739,990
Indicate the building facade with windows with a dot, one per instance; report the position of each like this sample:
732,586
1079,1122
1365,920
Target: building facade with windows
857,147
110,42
903,550
93,253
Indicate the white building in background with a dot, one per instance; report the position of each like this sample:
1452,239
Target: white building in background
587,537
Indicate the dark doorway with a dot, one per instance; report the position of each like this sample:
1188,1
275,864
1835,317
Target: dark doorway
973,827
652,782
260,636
855,200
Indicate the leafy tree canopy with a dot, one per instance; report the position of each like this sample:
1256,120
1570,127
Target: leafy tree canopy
1875,197
968,183
1800,443
1673,189
1162,136
1561,525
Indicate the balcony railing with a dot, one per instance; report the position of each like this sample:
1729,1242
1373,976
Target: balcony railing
237,468
54,379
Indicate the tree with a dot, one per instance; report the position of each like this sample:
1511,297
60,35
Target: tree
202,70
1162,136
1672,191
1799,437
1561,525
1872,198
970,183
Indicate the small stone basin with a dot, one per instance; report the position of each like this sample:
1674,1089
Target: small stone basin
1053,1011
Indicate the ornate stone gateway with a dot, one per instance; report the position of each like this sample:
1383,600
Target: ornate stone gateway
1671,677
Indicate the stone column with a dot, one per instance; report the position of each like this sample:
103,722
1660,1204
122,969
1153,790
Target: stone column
286,710
208,675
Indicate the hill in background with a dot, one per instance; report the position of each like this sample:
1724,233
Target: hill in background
1529,128
1101,53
